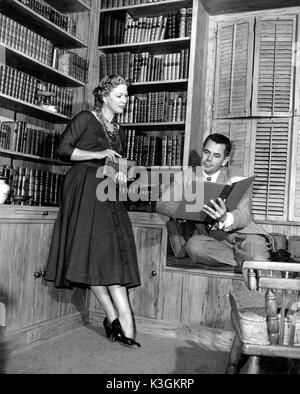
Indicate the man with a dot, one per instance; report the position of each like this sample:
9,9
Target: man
233,237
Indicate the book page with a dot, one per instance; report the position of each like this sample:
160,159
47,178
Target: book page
206,191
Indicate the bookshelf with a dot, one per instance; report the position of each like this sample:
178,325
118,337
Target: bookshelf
69,6
43,70
156,47
33,110
28,63
142,8
25,15
33,158
149,44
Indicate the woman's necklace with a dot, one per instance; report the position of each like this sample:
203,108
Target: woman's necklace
111,129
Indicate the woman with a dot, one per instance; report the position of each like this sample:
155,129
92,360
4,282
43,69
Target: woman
93,242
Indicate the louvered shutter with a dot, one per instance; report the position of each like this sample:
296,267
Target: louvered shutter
233,69
271,161
239,132
274,66
297,74
294,208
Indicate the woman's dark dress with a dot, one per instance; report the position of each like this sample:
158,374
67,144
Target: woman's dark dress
93,241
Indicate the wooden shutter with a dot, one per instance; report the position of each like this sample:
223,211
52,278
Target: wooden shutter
239,132
233,69
271,162
297,73
294,208
274,66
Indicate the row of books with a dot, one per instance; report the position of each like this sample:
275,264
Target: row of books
155,107
152,150
70,63
43,187
143,67
124,3
21,38
65,22
16,136
115,30
39,48
25,87
54,98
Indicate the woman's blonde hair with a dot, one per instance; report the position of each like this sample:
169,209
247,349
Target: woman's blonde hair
106,85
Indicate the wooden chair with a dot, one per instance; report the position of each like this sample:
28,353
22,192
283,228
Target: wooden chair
2,314
266,315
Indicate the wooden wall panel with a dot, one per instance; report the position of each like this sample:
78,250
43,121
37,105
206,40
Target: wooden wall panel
196,100
172,296
24,250
93,53
294,190
145,299
88,28
210,80
205,300
44,304
288,230
15,273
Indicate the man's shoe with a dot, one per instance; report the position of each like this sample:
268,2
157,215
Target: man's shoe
177,239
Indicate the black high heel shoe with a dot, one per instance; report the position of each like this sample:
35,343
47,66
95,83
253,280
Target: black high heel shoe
117,335
108,328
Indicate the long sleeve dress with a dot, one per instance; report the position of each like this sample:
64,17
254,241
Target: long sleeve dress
93,241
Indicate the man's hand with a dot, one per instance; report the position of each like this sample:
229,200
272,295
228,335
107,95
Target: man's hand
216,211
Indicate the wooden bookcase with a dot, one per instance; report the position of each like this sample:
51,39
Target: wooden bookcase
31,303
17,57
146,79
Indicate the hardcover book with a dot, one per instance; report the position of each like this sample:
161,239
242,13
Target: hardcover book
111,168
205,191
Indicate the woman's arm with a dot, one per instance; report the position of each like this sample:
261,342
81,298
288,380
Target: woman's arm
71,135
80,154
67,147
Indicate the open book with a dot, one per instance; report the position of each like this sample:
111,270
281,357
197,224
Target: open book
208,191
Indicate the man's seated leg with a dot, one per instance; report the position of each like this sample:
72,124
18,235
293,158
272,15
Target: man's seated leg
251,247
207,250
177,238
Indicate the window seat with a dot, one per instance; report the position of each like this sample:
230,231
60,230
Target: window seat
187,262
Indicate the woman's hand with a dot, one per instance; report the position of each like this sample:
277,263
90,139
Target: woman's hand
216,211
121,177
110,153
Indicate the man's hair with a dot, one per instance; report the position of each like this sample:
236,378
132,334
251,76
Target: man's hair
219,139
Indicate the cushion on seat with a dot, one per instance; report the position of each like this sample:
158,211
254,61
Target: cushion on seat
187,262
248,307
